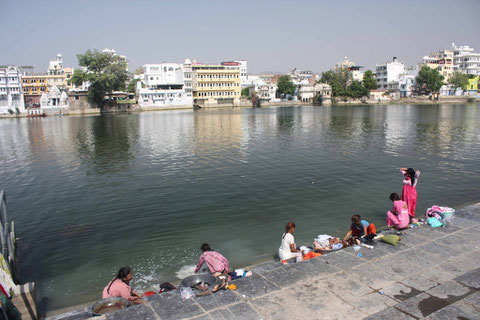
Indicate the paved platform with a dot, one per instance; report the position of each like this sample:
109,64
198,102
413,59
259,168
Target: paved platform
434,273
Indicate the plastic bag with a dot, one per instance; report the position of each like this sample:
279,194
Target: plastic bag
186,292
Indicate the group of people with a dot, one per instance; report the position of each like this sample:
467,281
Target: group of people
120,285
402,213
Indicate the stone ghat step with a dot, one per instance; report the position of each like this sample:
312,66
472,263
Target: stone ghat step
432,273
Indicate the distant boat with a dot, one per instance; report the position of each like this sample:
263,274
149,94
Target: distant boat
196,106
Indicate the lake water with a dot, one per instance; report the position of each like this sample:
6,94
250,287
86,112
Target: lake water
92,194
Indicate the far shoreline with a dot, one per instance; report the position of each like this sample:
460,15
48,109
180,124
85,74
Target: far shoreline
134,108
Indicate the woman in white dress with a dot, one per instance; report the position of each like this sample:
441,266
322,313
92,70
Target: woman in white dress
288,249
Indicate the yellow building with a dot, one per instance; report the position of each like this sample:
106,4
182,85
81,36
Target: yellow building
33,87
442,61
215,84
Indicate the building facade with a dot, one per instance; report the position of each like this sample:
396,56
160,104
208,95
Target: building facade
442,61
163,86
241,65
214,84
389,72
465,60
11,96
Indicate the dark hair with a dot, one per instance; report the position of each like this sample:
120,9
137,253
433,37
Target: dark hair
205,247
356,218
289,226
411,174
122,273
394,197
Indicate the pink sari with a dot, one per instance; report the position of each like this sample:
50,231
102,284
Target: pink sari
409,193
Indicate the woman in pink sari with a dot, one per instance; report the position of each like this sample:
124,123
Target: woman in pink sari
409,193
398,217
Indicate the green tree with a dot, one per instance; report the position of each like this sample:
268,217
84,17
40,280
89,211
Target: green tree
245,92
132,86
106,72
458,80
429,80
338,80
369,82
357,90
285,86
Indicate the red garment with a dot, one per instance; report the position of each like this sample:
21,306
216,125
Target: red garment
409,193
214,260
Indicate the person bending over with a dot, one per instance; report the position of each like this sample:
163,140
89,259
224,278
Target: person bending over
217,264
360,228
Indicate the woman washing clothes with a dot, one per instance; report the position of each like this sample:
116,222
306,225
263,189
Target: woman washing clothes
217,264
398,217
120,287
288,249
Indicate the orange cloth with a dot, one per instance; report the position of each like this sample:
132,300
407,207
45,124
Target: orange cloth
371,229
311,255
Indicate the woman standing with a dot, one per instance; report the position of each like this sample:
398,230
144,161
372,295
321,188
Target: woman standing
120,287
288,249
409,192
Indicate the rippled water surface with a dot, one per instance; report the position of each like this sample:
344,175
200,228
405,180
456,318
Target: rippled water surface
92,194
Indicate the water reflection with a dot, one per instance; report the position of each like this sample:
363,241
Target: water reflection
109,146
156,185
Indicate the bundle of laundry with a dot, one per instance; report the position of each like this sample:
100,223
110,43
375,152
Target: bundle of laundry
325,242
440,213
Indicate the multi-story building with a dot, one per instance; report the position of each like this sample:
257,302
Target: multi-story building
33,86
214,84
11,97
187,79
58,75
442,61
389,72
163,86
344,64
241,65
466,60
265,89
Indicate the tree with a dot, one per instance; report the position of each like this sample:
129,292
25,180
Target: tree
357,90
245,92
369,82
285,86
132,86
338,80
458,80
429,80
106,72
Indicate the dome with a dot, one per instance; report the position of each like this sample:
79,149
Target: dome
187,61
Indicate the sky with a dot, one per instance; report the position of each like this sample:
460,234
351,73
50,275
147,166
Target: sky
273,36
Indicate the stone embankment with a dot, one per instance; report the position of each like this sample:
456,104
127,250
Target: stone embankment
433,273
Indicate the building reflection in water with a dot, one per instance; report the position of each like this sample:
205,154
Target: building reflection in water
109,145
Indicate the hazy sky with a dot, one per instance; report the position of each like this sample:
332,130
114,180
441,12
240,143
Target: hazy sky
272,35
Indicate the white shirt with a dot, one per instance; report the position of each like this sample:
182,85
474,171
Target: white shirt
285,252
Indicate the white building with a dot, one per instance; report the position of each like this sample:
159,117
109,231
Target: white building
266,90
114,52
389,72
306,90
164,86
11,96
465,60
240,65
